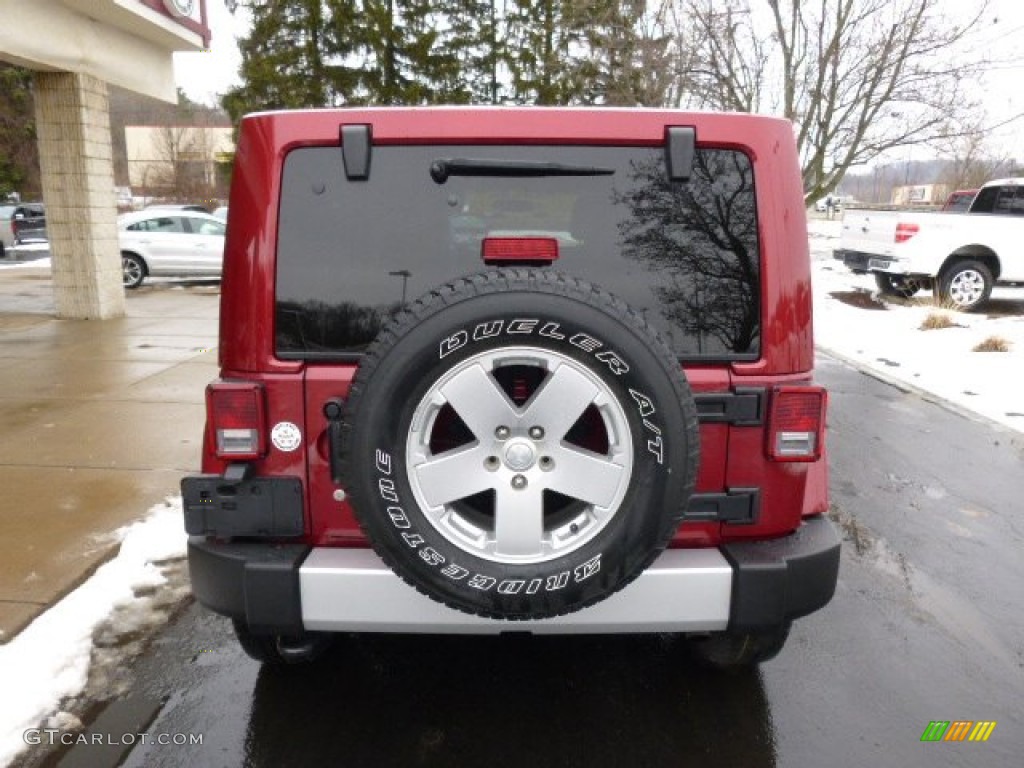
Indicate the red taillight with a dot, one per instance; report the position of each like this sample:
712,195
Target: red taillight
497,250
905,230
796,425
238,418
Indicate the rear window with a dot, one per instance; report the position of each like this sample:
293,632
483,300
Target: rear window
685,254
959,201
1001,200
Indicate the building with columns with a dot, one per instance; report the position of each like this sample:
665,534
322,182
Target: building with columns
77,47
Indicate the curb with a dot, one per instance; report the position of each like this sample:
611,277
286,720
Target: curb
911,389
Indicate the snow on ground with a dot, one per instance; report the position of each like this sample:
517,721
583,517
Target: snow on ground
42,263
49,660
888,338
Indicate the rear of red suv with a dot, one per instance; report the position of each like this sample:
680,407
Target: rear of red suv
488,370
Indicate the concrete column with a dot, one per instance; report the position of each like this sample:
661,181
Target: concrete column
73,127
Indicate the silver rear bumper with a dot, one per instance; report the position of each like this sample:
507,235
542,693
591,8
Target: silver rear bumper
352,590
746,586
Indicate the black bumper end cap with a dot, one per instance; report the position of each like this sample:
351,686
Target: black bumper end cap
250,581
783,579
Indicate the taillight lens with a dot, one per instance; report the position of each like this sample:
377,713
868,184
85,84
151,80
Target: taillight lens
796,425
238,415
905,230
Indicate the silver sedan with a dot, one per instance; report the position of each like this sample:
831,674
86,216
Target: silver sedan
169,243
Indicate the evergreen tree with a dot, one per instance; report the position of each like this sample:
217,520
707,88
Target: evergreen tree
284,56
477,43
584,52
314,53
401,49
311,53
626,45
540,37
19,156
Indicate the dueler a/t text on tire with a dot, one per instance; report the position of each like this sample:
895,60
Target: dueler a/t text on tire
519,444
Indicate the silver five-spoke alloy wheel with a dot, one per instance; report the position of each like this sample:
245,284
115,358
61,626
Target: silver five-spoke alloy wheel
543,495
132,271
967,288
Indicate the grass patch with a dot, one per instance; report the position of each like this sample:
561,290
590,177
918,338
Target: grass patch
936,321
993,344
945,303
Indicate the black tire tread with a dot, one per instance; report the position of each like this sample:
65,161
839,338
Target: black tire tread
942,284
489,283
735,652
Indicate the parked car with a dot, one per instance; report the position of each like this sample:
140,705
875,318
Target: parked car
594,412
221,212
161,242
960,256
959,200
177,207
21,223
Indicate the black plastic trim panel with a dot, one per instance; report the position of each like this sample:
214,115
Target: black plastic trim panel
743,407
226,506
356,145
783,579
737,506
680,148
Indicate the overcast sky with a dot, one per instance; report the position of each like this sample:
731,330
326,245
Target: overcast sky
205,75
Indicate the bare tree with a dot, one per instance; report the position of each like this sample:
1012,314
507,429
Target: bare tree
972,162
626,44
184,154
856,77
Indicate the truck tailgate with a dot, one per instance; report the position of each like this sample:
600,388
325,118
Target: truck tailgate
869,231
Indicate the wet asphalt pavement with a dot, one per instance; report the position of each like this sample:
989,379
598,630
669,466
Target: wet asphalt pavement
926,625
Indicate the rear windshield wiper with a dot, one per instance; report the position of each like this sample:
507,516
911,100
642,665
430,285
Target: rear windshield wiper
442,169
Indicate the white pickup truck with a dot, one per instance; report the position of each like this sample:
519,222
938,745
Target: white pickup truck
961,256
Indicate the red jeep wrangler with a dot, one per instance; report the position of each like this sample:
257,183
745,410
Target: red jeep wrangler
488,370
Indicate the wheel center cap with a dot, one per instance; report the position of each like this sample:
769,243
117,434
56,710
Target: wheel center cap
519,455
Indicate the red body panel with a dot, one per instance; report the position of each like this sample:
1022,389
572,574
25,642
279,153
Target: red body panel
247,339
732,457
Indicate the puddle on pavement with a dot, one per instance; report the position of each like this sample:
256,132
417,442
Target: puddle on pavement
930,599
21,322
996,308
859,299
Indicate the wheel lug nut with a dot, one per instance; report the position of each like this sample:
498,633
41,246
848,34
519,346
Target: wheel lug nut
537,433
502,433
546,463
492,463
519,482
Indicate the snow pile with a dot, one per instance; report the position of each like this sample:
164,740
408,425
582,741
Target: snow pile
887,336
49,660
42,263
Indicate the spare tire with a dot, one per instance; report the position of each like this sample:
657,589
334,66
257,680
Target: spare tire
519,444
